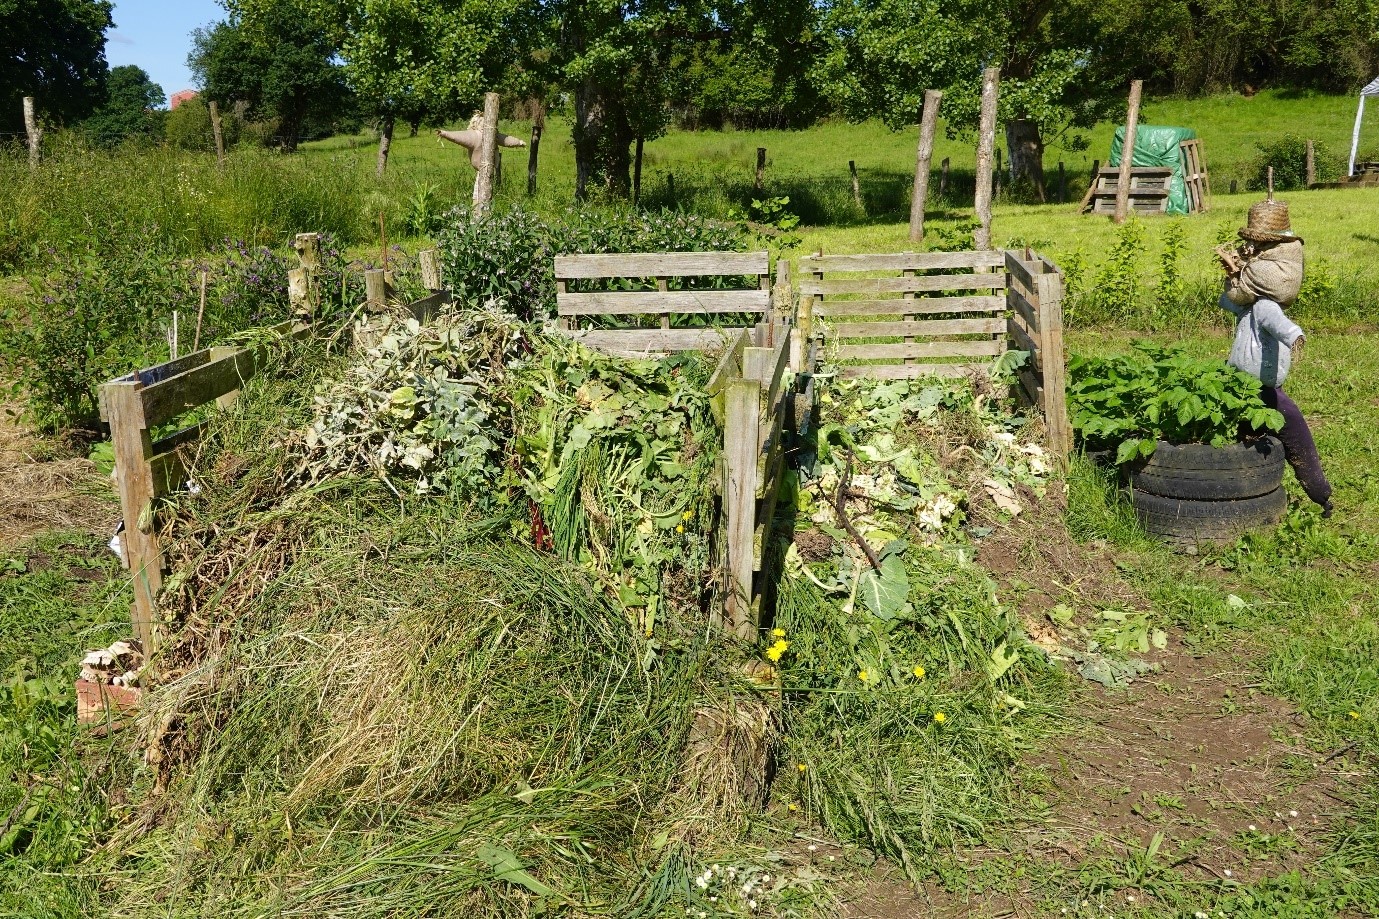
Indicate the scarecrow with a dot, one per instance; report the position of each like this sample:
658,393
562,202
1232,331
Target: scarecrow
472,137
1263,277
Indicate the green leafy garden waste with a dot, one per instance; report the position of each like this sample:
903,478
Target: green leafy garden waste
1130,402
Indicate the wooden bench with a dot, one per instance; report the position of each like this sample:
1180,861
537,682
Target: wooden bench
585,302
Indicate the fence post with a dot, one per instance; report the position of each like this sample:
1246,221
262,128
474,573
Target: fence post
991,87
1311,163
430,269
761,170
488,144
537,126
303,284
943,178
1050,292
741,439
376,288
924,157
1127,152
217,131
856,188
34,132
133,447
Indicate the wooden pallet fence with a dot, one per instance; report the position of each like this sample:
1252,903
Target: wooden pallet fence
906,314
1148,190
750,395
669,308
1195,175
1034,298
147,469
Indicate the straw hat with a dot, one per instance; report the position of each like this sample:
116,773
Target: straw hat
1268,223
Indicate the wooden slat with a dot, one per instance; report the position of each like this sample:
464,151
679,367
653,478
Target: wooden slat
150,375
922,306
1022,307
667,264
166,400
686,302
632,342
1020,273
169,472
919,328
1022,341
1029,382
902,261
988,348
907,371
187,435
129,438
919,283
730,365
423,309
739,500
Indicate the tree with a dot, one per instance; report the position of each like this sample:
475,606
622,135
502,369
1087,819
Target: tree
413,59
132,109
281,64
53,50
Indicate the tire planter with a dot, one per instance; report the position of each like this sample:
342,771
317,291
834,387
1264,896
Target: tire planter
1192,493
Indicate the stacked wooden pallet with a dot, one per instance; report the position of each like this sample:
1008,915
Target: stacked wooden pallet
1197,178
1148,190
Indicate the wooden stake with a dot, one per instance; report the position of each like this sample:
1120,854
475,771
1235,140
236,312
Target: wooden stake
430,269
856,188
1311,163
218,133
924,156
376,288
943,178
761,169
1127,152
483,182
637,172
1271,183
537,126
986,141
172,342
31,127
200,312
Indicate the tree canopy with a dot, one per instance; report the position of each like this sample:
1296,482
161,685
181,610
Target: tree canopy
53,50
131,109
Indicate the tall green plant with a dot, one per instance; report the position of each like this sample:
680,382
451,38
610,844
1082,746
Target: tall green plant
1118,280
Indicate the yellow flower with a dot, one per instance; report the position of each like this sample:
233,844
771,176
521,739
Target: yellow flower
940,717
918,672
779,633
862,675
680,528
802,767
1355,714
794,807
687,515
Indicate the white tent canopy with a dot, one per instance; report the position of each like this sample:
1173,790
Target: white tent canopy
1371,90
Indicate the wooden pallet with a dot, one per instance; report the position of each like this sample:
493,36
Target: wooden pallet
1196,175
1148,190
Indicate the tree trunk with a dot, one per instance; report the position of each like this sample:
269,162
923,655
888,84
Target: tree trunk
31,127
986,142
488,153
385,140
414,124
1025,146
637,172
1127,152
537,126
602,137
924,157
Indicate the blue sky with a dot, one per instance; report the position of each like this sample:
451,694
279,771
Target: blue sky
156,35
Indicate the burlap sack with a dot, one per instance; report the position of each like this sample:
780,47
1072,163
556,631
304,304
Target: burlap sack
1273,272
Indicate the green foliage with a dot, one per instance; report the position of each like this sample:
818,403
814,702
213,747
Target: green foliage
1288,157
188,127
131,111
1117,289
505,259
282,66
1172,287
53,50
1128,403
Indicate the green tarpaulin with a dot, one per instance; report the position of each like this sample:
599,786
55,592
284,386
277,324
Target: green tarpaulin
1158,146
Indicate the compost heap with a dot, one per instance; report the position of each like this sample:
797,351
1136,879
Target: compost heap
904,676
439,640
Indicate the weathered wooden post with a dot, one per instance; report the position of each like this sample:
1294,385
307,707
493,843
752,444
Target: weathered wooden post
537,126
1127,152
1311,163
761,170
34,132
1234,186
924,156
1062,184
637,171
483,182
856,188
430,269
996,175
943,178
217,131
303,286
986,140
376,288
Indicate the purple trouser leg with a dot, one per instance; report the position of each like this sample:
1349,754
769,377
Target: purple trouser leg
1298,445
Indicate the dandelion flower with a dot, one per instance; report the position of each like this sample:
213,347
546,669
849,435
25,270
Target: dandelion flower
779,633
862,675
802,767
940,717
918,672
687,515
680,528
773,653
1354,714
794,807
